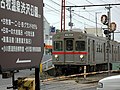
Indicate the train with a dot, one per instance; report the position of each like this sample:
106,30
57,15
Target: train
74,50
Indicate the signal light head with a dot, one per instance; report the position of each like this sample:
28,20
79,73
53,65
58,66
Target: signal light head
106,32
112,26
104,19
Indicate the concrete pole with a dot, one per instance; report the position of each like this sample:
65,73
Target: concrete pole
108,39
96,13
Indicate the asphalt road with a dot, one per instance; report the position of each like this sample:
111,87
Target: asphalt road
90,88
48,85
4,83
67,85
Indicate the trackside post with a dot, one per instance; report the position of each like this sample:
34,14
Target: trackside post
84,72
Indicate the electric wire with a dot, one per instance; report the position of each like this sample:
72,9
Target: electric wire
68,16
56,10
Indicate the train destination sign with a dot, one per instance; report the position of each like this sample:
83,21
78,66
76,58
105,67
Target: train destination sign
21,34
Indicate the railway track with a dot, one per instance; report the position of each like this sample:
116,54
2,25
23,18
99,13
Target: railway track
84,77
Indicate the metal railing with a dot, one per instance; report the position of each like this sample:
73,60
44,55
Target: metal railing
47,65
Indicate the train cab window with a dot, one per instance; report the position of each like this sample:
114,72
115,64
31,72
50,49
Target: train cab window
80,46
69,45
58,45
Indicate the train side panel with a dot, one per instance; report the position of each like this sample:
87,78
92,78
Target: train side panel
74,50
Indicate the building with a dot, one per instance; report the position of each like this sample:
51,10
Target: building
48,32
98,32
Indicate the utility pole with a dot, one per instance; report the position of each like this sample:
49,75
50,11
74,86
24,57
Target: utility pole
70,23
63,16
96,13
111,27
108,36
106,20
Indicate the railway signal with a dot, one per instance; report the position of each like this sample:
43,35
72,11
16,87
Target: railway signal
113,26
106,32
104,19
111,29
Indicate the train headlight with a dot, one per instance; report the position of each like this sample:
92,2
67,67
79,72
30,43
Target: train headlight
56,57
81,56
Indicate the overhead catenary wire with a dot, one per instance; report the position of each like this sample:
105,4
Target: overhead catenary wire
89,2
80,15
68,16
84,9
114,6
58,12
85,18
97,5
59,4
54,10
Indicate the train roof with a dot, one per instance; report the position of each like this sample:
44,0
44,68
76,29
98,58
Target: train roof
86,34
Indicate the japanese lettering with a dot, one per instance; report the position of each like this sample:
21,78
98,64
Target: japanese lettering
20,7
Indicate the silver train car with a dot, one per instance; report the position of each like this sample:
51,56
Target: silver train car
74,50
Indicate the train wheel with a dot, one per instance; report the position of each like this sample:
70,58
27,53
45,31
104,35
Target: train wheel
92,68
57,71
80,70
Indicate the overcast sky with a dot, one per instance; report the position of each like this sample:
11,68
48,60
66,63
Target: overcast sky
82,17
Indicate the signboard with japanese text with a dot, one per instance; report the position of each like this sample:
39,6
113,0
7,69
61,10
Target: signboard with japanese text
21,34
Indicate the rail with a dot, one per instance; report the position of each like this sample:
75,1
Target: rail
78,75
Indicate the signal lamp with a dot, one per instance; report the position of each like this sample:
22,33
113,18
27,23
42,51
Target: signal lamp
106,32
104,19
112,26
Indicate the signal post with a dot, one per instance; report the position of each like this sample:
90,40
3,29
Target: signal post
111,27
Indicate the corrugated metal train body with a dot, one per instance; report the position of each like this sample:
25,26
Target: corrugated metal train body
74,50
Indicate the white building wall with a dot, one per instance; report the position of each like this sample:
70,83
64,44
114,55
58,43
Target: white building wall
98,32
46,30
47,37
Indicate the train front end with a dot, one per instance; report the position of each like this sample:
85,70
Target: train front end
69,51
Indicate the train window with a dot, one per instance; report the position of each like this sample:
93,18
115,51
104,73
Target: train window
69,45
80,46
58,45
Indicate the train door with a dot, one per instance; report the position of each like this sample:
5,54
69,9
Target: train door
118,53
91,51
112,53
104,52
88,50
69,49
